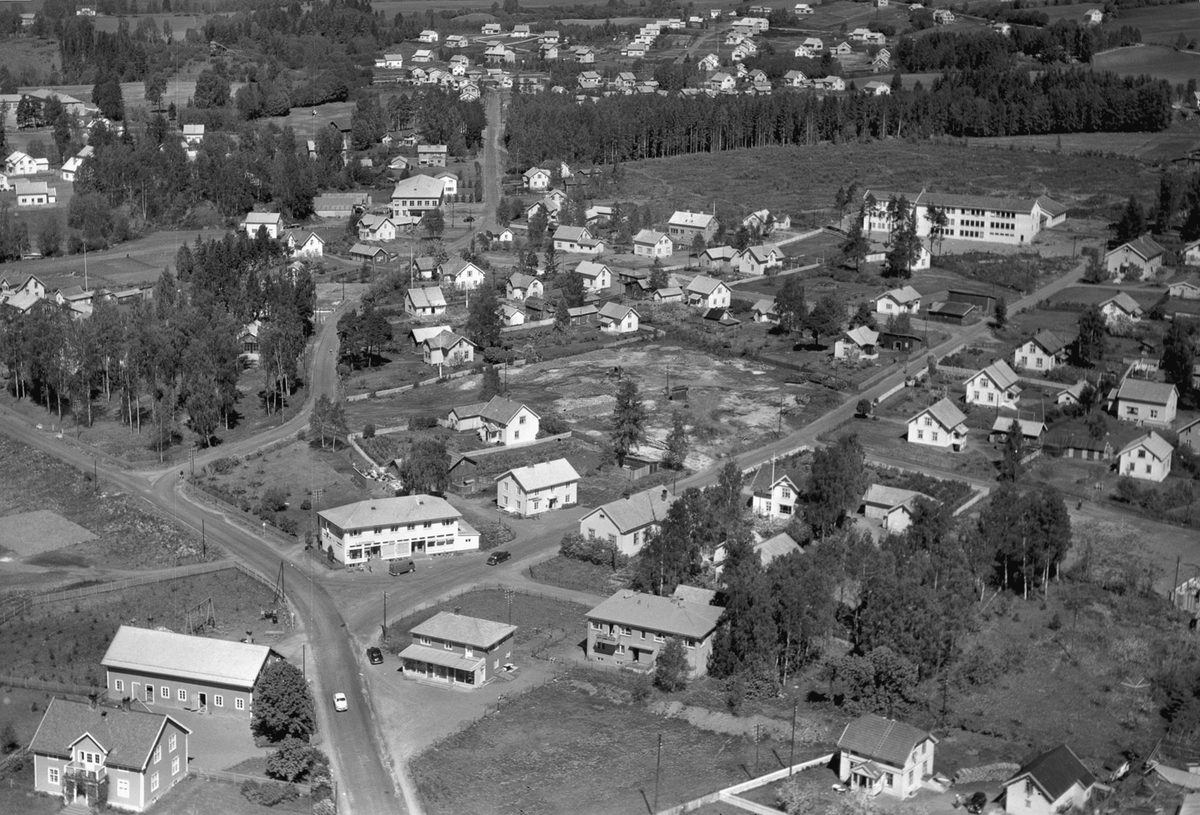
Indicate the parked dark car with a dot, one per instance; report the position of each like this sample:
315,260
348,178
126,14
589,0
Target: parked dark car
375,656
498,557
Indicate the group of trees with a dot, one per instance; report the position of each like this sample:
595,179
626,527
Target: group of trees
963,51
986,101
824,319
149,178
178,351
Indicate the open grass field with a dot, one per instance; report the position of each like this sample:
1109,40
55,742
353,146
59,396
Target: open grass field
1159,61
1163,24
578,744
579,575
131,264
1145,146
795,179
128,534
29,59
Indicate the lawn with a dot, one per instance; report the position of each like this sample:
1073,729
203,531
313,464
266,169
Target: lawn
580,745
801,179
17,795
129,534
64,641
198,796
579,575
137,262
1163,24
541,621
1162,62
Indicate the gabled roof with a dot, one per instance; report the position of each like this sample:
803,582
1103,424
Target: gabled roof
1029,428
1050,206
457,266
891,497
762,253
1124,302
421,333
960,201
903,295
885,740
863,336
576,234
201,659
765,306
1144,247
669,615
263,218
692,220
999,372
591,269
458,628
648,236
776,546
520,280
1049,342
430,297
532,171
543,475
497,409
704,285
1159,447
720,253
615,311
127,737
1054,772
636,511
446,340
944,412
1142,390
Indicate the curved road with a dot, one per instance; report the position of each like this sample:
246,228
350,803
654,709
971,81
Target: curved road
350,738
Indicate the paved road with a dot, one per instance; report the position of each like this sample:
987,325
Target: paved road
493,169
807,435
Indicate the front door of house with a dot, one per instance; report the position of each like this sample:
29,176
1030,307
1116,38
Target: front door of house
203,700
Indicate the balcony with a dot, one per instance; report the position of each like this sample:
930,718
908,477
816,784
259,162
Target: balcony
83,773
605,637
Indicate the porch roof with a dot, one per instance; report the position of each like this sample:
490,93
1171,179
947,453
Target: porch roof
437,656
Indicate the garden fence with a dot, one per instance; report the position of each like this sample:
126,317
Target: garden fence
51,687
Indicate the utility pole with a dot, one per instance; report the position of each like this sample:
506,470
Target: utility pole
385,614
792,752
657,771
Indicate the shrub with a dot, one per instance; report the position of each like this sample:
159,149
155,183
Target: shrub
591,550
368,431
273,500
552,425
268,794
287,524
422,422
221,466
306,505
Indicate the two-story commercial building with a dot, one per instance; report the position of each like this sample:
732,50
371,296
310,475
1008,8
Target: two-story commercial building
684,226
97,755
453,649
416,195
537,488
168,670
628,522
391,528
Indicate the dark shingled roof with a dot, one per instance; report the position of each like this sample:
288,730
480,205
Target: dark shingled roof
128,736
1054,772
885,740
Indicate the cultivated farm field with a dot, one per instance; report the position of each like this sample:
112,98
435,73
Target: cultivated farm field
1160,61
796,179
1163,24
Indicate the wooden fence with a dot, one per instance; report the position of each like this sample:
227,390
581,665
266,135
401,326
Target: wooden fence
51,687
238,778
24,604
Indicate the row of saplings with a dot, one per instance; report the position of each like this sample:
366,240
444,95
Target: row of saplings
285,718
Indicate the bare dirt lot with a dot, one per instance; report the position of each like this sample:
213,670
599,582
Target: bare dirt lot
127,533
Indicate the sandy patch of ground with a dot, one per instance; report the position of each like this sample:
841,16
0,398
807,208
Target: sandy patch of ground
31,533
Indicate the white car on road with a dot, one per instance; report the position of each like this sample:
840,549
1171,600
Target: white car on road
339,703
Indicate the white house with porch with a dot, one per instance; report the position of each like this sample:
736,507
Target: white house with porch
878,755
537,488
